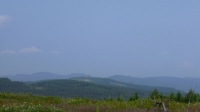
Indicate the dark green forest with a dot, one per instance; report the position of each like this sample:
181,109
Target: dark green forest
78,89
71,95
68,88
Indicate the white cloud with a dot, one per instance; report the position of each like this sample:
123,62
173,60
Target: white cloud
32,49
187,64
4,19
7,51
27,50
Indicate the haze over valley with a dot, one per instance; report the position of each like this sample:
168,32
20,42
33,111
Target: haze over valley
100,38
181,84
99,56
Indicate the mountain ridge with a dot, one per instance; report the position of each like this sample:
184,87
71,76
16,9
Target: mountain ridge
177,83
184,84
42,76
68,88
114,83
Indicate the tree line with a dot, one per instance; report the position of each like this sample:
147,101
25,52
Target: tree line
190,97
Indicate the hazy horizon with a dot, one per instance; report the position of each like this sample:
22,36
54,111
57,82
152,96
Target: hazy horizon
95,76
100,38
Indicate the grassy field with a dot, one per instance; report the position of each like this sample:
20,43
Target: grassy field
29,103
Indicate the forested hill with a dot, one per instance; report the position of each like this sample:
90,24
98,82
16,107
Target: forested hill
114,83
183,84
42,76
69,88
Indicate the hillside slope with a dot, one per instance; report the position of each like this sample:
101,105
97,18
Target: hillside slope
183,84
114,83
69,88
42,76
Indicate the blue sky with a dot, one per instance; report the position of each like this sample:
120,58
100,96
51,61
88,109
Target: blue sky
100,38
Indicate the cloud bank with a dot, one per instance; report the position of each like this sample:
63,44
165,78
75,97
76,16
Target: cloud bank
27,50
32,49
3,20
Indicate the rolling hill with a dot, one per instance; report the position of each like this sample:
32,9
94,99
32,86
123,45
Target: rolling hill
114,83
69,88
42,76
184,84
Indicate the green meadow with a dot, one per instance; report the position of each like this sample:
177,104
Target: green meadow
19,102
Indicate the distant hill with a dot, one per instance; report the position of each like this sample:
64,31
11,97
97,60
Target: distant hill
114,83
178,83
42,76
69,88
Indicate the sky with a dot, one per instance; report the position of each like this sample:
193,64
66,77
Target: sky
100,38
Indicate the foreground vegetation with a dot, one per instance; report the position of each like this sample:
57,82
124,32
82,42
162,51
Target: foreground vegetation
77,96
19,102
